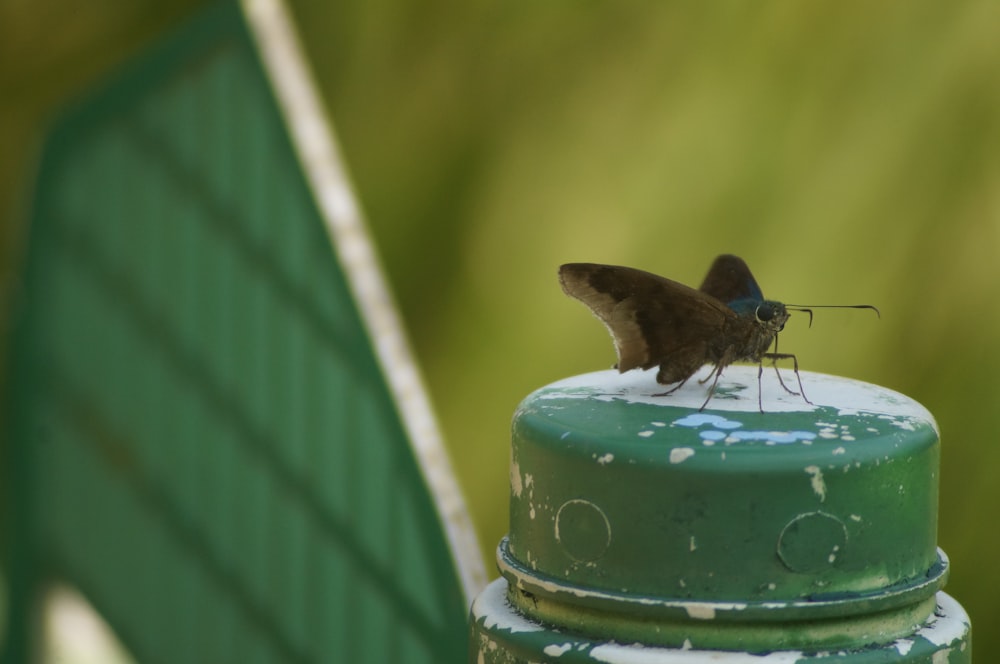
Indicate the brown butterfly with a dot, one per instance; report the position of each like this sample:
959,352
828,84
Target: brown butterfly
658,322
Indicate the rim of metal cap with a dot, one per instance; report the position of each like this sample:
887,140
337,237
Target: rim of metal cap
841,604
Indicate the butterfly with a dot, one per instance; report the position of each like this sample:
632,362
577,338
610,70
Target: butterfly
657,322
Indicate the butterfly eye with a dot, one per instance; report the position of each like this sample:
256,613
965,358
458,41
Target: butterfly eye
764,313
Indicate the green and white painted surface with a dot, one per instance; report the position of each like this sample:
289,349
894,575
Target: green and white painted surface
501,635
809,527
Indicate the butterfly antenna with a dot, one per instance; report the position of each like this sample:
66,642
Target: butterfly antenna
805,309
810,307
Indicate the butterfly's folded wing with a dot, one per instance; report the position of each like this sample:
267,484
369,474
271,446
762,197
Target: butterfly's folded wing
729,280
650,317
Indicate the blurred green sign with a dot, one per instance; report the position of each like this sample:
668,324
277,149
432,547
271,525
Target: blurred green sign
215,431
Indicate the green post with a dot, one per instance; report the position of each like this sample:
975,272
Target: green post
644,530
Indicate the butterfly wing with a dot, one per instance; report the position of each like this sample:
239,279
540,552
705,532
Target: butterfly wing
652,320
729,280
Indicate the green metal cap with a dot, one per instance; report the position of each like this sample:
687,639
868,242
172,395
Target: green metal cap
638,518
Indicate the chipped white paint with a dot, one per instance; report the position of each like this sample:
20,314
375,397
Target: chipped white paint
949,628
680,454
529,484
816,479
606,459
855,517
516,486
693,545
492,608
846,395
614,653
486,645
772,437
712,428
945,628
700,611
314,142
554,650
906,425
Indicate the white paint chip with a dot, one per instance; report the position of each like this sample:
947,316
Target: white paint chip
680,454
701,611
615,653
816,479
557,651
516,486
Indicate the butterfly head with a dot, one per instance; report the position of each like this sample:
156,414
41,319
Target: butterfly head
771,315
768,313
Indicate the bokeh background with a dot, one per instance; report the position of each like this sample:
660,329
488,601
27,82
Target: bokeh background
849,151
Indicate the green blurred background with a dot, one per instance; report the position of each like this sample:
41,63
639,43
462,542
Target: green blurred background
849,151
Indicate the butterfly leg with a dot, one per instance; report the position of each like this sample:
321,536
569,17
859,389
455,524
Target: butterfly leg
724,361
677,369
672,389
672,374
774,357
760,387
711,391
777,372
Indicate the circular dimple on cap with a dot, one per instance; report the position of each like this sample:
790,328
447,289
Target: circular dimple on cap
812,542
582,529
